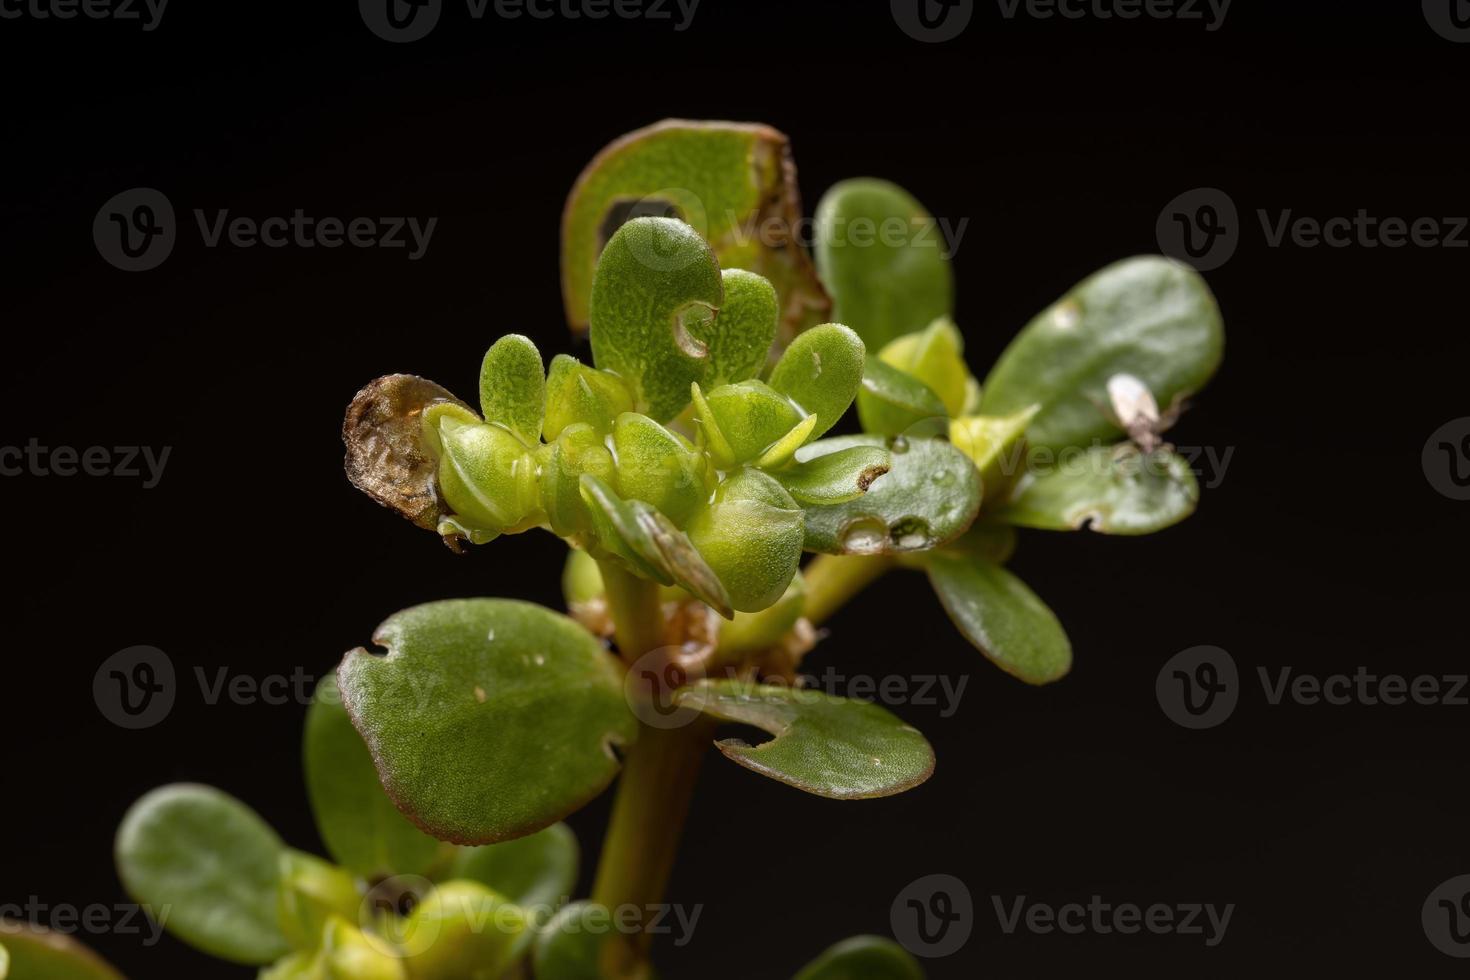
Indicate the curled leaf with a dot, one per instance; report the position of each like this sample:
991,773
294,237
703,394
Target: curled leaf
740,338
1109,489
751,536
657,467
488,718
576,393
657,282
734,182
930,495
742,421
1149,317
386,458
825,745
882,257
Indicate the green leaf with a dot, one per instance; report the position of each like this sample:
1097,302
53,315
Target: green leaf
734,182
893,402
881,256
29,952
513,387
1150,317
742,421
657,467
929,496
209,867
487,476
312,892
534,872
934,355
821,371
996,445
581,942
489,718
740,337
656,283
825,745
361,827
464,931
651,544
863,958
836,477
1002,617
578,449
751,535
578,393
1109,489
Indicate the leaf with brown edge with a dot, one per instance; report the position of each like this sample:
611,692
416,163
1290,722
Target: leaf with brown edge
825,745
488,719
734,182
386,458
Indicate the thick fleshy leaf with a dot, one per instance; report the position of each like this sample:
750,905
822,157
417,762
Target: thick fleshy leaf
534,872
657,283
577,393
883,259
742,421
1150,317
930,495
740,338
463,931
863,958
578,449
313,892
734,182
513,387
386,456
363,830
1001,616
581,942
825,745
1109,489
751,535
212,863
487,476
934,355
893,402
651,544
29,952
821,371
836,477
488,719
657,467
996,444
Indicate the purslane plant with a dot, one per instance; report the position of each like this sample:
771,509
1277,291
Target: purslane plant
689,466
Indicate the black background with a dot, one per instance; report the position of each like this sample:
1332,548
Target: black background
1324,547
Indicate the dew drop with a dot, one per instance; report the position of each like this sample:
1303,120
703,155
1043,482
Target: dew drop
539,659
899,444
912,534
490,636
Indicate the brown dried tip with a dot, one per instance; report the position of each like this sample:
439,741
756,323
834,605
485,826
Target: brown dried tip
385,455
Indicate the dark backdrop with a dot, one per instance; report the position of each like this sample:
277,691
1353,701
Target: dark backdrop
1324,548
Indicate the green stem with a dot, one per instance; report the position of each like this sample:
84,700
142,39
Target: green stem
657,783
638,620
831,580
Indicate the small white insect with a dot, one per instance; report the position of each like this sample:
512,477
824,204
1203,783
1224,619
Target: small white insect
1137,413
